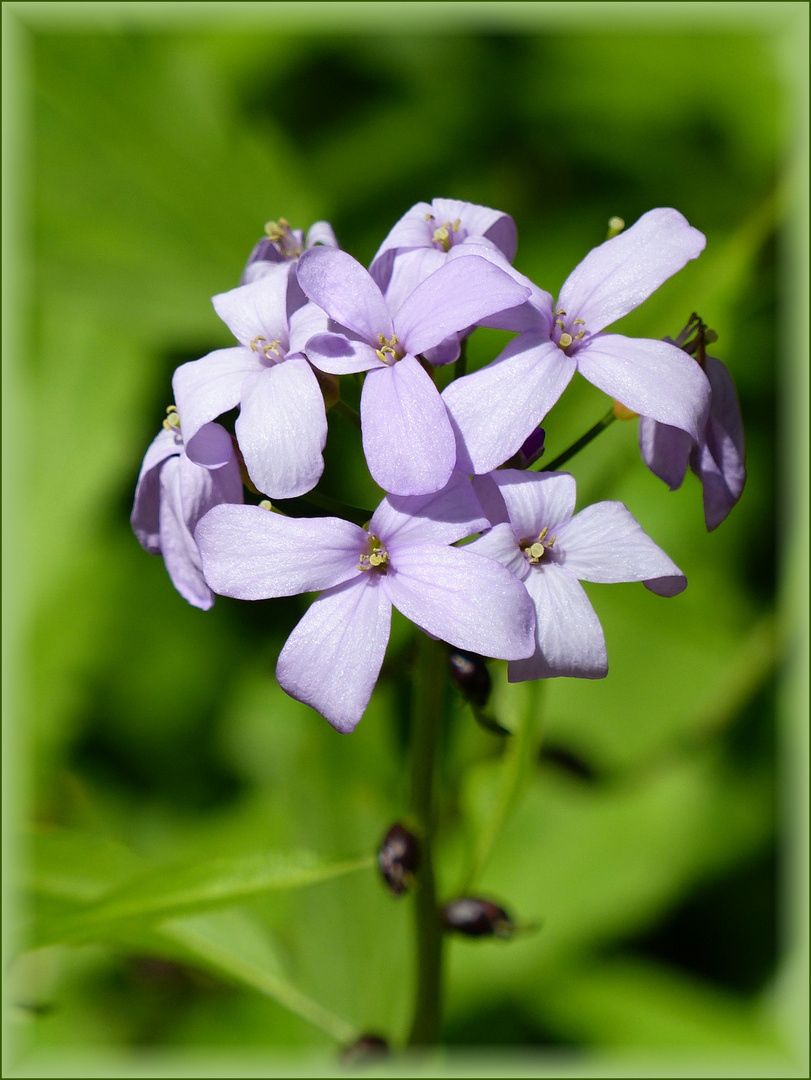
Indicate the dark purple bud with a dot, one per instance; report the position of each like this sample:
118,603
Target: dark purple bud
398,856
475,917
532,449
364,1049
469,672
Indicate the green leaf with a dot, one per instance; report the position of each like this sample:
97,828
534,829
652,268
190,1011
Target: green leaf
183,890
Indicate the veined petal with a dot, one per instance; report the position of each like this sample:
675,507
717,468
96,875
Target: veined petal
332,659
665,450
201,488
258,309
536,500
441,517
499,543
409,268
468,600
453,298
496,408
282,429
569,638
205,389
252,553
617,276
339,284
606,543
719,461
339,355
321,232
653,378
305,323
178,548
407,436
146,504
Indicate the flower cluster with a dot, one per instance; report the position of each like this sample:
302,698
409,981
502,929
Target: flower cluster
306,314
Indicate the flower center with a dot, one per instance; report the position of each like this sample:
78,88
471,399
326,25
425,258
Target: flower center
535,550
375,557
271,350
567,332
443,238
280,234
389,351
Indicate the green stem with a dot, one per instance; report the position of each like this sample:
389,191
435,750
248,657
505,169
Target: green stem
426,717
592,433
347,412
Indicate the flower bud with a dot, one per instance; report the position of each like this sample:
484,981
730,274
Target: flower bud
475,917
398,857
469,672
364,1048
532,448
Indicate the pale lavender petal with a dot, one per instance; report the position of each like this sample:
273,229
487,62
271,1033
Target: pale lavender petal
719,461
476,221
282,429
667,586
332,659
321,232
617,276
496,408
446,352
146,504
205,389
536,500
441,517
653,378
305,323
535,313
606,543
407,436
495,509
408,270
453,298
499,543
178,548
338,355
569,638
258,309
339,284
468,600
213,446
252,553
665,450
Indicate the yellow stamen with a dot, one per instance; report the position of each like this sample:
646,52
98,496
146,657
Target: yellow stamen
565,341
580,322
272,350
560,311
172,421
255,342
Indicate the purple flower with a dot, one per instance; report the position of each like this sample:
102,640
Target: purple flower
717,458
407,436
173,493
283,244
332,659
551,551
495,409
282,424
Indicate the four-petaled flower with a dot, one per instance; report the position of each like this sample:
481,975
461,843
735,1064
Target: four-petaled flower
402,559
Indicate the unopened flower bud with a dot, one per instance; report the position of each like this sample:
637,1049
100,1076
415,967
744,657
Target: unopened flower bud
475,917
470,673
532,449
398,857
364,1048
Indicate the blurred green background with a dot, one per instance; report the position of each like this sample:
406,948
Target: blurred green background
645,839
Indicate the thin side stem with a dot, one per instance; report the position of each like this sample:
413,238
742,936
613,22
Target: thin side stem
576,447
426,717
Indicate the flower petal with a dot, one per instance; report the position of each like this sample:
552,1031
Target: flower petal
282,429
653,378
340,355
258,309
468,600
441,517
321,232
305,323
205,389
719,461
665,450
605,542
536,500
617,276
454,297
569,638
252,553
145,519
407,436
496,408
339,284
332,659
178,548
499,543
